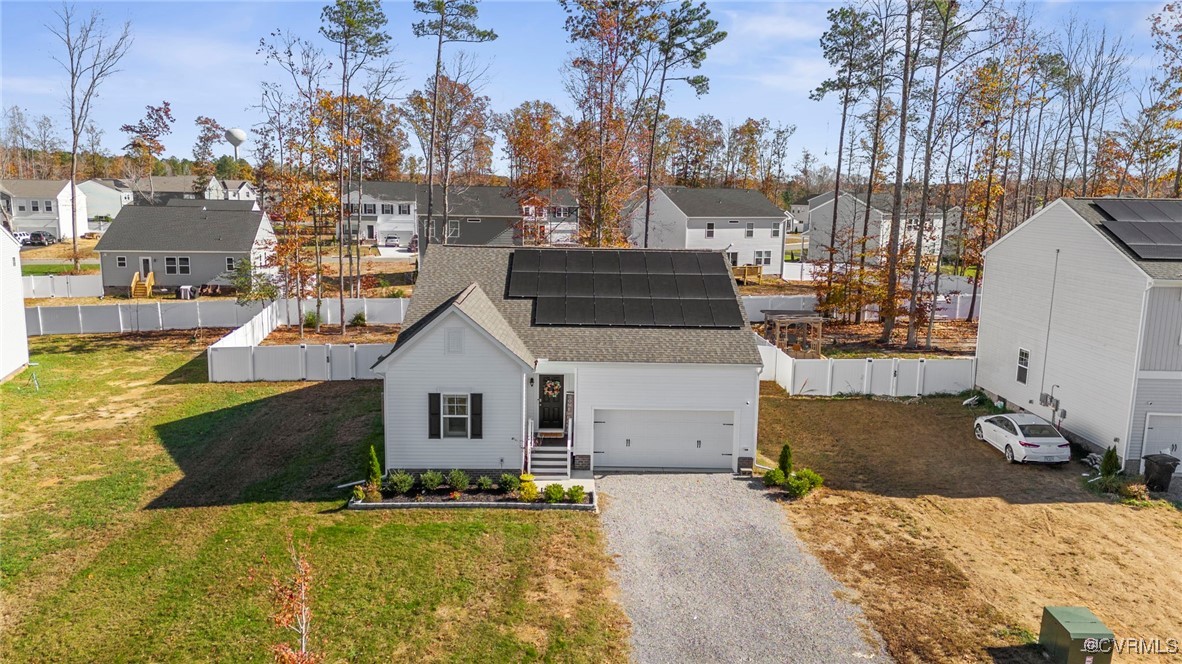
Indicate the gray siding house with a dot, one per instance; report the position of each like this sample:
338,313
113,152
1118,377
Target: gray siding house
183,244
1084,330
493,215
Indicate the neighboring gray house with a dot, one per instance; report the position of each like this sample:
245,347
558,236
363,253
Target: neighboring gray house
742,222
1081,322
41,205
182,245
493,215
571,361
159,189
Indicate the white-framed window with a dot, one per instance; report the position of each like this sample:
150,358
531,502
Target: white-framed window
709,229
453,228
20,206
404,208
369,208
776,229
527,210
455,415
750,231
49,206
559,212
733,256
1023,365
36,205
121,261
230,263
387,208
454,341
763,258
176,265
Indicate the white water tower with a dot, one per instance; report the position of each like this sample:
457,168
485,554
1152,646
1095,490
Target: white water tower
235,137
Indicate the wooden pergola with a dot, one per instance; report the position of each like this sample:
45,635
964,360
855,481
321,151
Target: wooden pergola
797,333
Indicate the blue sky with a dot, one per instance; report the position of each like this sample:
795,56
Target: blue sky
201,56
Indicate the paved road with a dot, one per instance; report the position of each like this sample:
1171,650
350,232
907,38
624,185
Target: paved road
710,571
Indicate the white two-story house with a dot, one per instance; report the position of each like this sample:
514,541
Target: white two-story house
105,197
388,212
239,190
42,205
741,222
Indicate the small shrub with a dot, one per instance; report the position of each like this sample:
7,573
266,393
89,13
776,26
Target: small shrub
373,493
553,493
311,319
800,483
576,493
484,483
358,493
373,473
509,482
456,495
1110,483
774,477
528,491
358,319
812,477
431,480
400,482
1134,491
785,464
458,480
1109,463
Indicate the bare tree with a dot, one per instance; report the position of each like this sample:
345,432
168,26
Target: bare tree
91,55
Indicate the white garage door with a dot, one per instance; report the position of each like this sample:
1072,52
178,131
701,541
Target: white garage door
664,439
1163,435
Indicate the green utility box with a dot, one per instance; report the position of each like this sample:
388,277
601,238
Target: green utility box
1074,635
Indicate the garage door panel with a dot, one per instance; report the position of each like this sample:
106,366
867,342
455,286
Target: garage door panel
663,439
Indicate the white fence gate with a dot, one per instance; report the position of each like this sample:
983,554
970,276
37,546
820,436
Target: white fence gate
63,285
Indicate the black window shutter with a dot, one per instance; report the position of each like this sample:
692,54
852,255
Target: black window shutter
476,404
433,415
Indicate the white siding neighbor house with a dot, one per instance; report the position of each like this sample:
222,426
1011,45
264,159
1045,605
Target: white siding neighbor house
1080,327
184,244
387,212
853,223
105,198
741,222
14,341
239,190
42,205
567,361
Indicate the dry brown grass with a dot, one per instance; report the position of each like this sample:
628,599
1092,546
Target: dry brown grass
952,552
331,334
773,285
955,337
63,250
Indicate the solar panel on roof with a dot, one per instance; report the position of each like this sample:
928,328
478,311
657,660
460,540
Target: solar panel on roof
607,262
607,285
638,311
1159,252
553,261
727,313
632,262
526,260
580,311
634,285
686,264
580,284
552,284
691,286
550,311
609,311
523,284
697,313
579,261
658,262
662,285
668,313
718,286
713,263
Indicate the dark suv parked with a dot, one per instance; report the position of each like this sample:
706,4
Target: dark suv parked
42,238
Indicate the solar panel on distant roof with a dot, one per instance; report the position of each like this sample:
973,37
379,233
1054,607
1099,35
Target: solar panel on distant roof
579,261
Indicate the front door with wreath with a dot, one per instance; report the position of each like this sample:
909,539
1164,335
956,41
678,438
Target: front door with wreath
550,402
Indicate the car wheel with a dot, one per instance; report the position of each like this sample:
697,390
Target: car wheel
978,433
1010,454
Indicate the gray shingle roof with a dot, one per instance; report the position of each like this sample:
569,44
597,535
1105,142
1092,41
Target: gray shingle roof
1091,213
449,270
471,202
475,304
212,204
34,188
389,191
719,202
173,228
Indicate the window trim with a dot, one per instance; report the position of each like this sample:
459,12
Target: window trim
709,229
749,229
369,208
178,267
444,417
230,263
763,257
1023,365
448,229
776,229
35,205
49,206
387,208
733,258
121,261
401,206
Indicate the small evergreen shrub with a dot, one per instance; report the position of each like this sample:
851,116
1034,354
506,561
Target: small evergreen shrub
1110,483
458,480
528,491
812,477
509,483
358,493
1109,463
785,464
431,480
553,493
358,319
311,319
400,482
576,493
773,478
373,493
484,483
373,473
802,482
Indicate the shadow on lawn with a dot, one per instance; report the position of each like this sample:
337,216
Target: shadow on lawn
294,446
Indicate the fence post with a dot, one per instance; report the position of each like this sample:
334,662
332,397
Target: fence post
919,377
829,378
353,363
160,316
40,323
895,377
197,303
868,378
78,309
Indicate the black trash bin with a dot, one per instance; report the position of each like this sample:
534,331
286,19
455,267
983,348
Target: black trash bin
1159,469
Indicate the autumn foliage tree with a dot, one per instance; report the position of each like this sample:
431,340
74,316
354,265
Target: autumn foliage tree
145,145
292,598
209,133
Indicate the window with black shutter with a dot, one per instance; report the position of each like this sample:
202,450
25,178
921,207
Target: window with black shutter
476,410
433,415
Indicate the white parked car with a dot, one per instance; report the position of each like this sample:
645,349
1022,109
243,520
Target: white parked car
1023,437
21,236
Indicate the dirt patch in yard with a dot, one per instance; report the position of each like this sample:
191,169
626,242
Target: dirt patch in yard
62,250
775,286
948,338
331,334
953,552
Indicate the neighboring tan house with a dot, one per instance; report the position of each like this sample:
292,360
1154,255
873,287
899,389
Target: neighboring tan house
105,197
741,222
158,189
14,340
239,190
42,205
1081,323
183,245
571,361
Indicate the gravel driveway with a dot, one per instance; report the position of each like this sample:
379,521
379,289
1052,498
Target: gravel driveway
710,571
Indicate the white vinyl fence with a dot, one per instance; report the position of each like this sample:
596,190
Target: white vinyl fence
238,357
63,285
885,377
138,316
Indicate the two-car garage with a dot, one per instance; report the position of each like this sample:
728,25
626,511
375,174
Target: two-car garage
673,439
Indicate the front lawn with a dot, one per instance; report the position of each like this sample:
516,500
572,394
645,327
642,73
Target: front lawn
145,512
952,552
45,269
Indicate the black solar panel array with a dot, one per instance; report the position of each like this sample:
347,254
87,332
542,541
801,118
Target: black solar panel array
1150,229
627,288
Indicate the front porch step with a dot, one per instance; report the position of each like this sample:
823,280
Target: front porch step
550,462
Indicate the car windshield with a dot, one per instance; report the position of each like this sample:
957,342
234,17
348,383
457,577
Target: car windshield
1039,431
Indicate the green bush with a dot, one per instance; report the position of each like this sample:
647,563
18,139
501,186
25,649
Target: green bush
484,483
509,482
811,476
311,319
553,493
576,493
785,464
373,493
400,482
773,477
1109,463
528,491
802,482
358,493
373,473
358,319
1110,483
458,480
431,480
